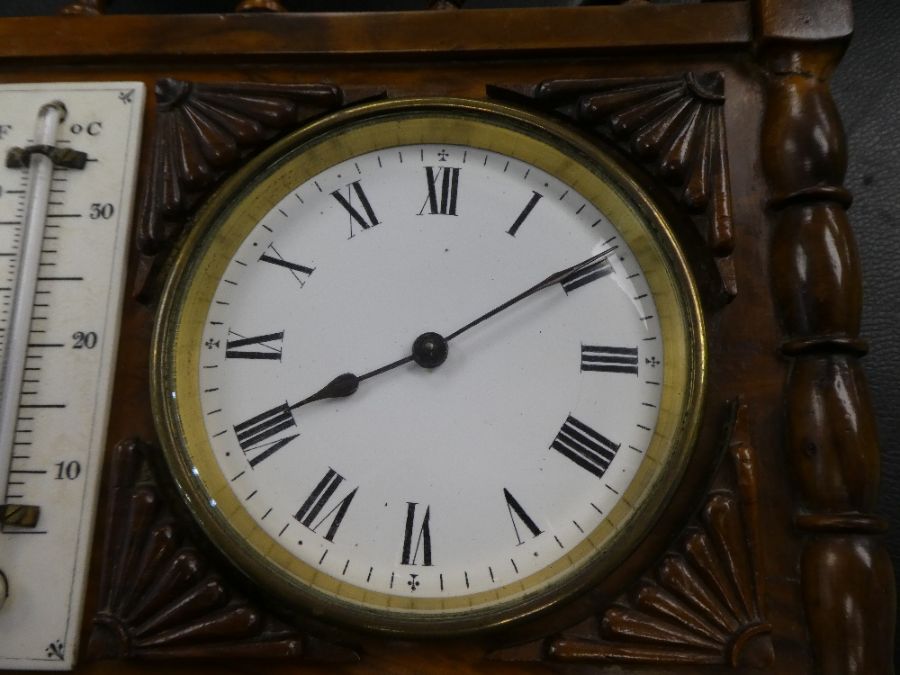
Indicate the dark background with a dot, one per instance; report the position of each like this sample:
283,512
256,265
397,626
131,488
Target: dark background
867,90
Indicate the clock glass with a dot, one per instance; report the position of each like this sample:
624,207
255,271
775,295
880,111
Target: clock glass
428,365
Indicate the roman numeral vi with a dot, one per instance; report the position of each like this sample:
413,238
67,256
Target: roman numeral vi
413,544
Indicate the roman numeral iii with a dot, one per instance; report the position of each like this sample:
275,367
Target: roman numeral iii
609,359
449,178
517,512
256,435
416,542
365,218
269,346
587,448
318,500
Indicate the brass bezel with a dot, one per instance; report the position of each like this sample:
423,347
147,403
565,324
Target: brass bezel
237,206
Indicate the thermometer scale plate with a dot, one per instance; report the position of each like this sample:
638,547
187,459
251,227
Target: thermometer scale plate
64,405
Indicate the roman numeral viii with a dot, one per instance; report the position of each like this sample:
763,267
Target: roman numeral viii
269,346
584,446
609,359
318,502
257,435
449,177
517,512
364,219
414,543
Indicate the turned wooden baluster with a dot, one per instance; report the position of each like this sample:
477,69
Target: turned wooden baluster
845,572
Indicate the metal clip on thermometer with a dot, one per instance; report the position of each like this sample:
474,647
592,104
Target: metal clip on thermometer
65,203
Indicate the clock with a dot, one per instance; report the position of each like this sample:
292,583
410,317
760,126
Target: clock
429,366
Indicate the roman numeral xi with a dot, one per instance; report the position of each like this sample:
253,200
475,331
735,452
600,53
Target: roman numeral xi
364,216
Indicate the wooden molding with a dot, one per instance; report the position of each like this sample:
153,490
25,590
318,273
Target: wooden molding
162,598
846,575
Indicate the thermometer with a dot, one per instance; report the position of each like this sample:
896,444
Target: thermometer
66,195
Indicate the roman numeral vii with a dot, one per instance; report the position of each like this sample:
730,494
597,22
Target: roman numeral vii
318,500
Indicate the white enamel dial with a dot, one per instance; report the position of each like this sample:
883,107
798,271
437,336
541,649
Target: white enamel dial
481,478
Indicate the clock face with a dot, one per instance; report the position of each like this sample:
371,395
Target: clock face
353,423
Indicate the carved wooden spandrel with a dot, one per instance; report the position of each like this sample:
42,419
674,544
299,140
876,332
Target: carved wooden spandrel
160,597
704,604
205,131
675,126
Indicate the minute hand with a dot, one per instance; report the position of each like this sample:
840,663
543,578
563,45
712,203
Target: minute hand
553,279
347,383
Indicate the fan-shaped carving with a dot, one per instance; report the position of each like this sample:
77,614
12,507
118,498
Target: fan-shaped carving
675,126
161,598
204,131
704,604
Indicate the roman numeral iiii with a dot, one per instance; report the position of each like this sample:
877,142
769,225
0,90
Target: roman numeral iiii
587,448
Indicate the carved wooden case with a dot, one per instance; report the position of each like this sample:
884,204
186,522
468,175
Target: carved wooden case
769,559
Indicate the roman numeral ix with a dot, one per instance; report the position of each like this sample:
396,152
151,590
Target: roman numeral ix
421,542
269,346
584,446
449,177
609,359
318,501
256,435
366,219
